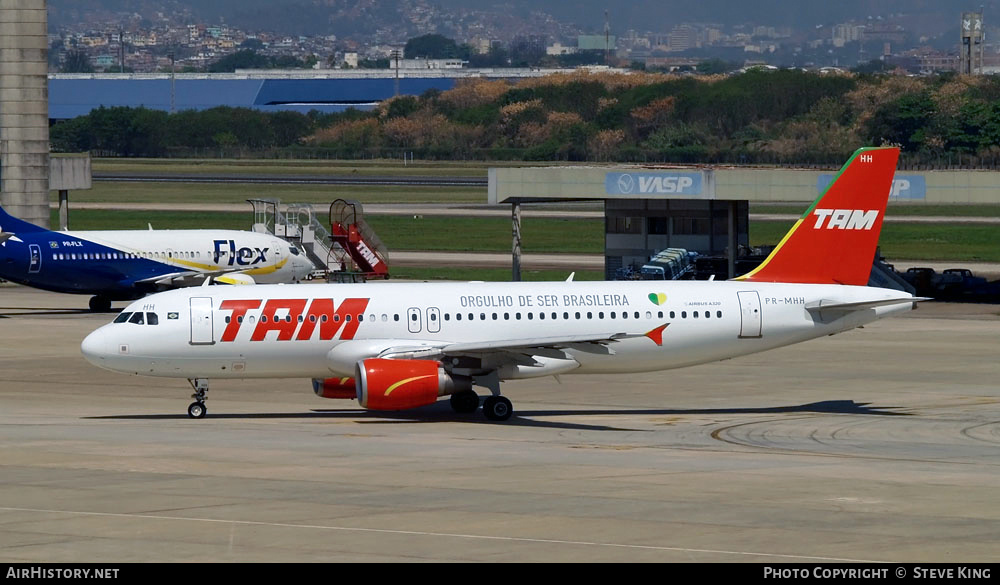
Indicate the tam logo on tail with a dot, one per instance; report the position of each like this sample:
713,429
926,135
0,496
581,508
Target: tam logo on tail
845,219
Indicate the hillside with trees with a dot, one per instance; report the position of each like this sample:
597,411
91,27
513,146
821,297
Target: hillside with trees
779,117
756,117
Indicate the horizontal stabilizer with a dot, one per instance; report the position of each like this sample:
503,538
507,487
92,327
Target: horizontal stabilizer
827,305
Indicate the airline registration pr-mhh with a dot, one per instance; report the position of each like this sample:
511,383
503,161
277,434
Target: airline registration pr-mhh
396,346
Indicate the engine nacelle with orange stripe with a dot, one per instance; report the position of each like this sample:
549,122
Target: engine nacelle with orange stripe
334,387
401,384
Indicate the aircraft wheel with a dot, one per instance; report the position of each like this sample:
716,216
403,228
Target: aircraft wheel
197,410
497,408
467,401
100,304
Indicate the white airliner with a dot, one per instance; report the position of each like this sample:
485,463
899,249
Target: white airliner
127,264
397,346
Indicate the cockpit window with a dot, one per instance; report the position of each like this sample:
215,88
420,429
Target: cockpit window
136,318
152,319
122,317
293,250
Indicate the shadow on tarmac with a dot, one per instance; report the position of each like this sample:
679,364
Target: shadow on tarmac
441,412
8,312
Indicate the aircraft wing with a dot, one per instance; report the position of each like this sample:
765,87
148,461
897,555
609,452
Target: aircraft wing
530,343
195,278
508,349
527,351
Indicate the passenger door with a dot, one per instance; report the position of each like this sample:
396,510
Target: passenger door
35,258
750,317
202,332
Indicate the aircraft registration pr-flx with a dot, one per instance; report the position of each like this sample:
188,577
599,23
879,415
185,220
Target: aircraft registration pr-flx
396,346
128,264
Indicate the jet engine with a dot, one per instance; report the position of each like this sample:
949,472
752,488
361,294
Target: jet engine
334,387
386,384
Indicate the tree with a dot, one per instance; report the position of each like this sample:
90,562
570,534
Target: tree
77,61
432,46
904,121
714,66
252,44
245,59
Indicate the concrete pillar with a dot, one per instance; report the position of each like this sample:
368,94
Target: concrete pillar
24,110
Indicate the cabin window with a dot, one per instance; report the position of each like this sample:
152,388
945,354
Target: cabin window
531,316
395,317
458,316
649,315
590,315
637,314
708,314
577,314
541,315
694,314
684,314
566,316
506,316
554,314
718,314
517,316
495,316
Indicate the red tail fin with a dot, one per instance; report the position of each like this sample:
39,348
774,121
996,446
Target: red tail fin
834,241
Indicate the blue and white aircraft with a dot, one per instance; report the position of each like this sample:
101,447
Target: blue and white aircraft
129,264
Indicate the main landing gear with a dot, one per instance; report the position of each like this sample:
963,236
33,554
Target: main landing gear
99,304
197,408
495,407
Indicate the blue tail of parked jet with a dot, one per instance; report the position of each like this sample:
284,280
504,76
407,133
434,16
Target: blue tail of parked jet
12,225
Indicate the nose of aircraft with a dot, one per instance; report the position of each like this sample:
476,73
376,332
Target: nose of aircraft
95,347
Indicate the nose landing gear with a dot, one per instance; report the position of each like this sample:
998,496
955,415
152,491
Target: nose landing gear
197,408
